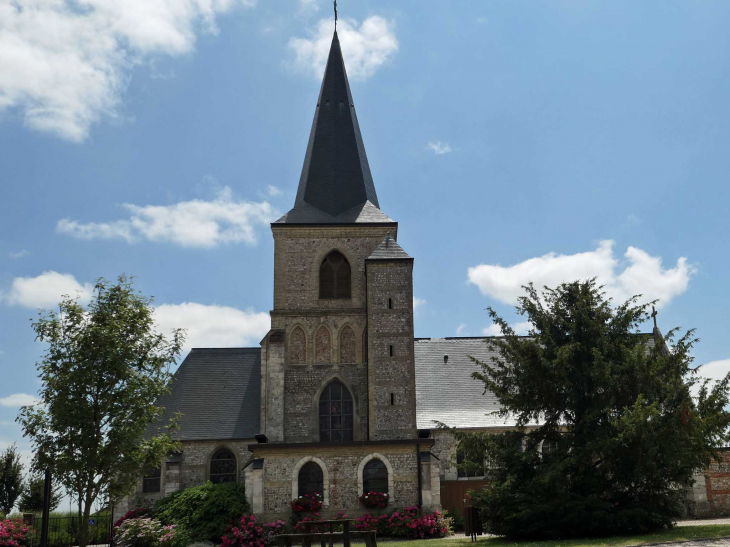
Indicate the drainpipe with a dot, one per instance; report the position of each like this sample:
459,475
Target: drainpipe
418,470
366,352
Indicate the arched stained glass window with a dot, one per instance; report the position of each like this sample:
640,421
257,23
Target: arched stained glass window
334,276
335,413
223,466
375,477
310,479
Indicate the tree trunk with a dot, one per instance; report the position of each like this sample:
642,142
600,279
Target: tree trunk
83,537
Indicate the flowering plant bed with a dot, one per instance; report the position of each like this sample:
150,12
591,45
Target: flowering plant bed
247,533
307,503
148,532
13,533
374,499
406,523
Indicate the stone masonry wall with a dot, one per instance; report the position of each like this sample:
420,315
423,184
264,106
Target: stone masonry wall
191,471
323,338
340,467
392,370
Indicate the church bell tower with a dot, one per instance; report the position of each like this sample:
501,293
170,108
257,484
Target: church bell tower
338,363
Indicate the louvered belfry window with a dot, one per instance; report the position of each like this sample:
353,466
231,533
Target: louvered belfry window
335,413
334,276
223,466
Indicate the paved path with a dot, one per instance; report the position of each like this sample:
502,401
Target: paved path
697,543
702,522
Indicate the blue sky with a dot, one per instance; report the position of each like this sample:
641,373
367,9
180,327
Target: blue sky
512,141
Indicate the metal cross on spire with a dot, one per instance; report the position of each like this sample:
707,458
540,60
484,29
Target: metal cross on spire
653,315
335,15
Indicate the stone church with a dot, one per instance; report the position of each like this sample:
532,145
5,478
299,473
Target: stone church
340,398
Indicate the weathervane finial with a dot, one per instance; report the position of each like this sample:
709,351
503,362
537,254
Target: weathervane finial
335,15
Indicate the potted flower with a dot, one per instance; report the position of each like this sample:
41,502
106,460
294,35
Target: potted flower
374,499
307,503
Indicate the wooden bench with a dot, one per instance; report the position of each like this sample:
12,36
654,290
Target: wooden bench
325,538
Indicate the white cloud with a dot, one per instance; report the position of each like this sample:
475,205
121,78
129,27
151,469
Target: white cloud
365,48
418,302
273,191
439,148
64,64
213,326
45,290
195,223
520,329
19,254
715,370
641,273
17,400
460,329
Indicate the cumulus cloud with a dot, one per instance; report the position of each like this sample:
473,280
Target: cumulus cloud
439,148
195,223
64,64
46,290
640,273
213,326
418,302
715,370
17,400
520,329
366,47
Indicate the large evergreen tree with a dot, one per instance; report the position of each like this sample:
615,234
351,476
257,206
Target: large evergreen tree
103,371
611,424
11,478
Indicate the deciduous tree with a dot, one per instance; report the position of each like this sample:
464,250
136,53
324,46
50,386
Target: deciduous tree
11,478
103,371
31,498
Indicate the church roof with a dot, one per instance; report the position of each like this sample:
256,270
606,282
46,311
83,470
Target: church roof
389,250
445,389
336,185
218,392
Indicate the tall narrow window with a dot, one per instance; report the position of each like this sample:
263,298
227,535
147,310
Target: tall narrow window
390,303
391,351
151,480
223,466
334,276
310,479
335,413
375,477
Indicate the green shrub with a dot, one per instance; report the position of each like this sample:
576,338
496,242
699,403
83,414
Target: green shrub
205,511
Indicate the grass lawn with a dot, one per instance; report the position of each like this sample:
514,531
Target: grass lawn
680,533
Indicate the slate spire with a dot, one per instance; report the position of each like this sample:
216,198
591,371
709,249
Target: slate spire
336,175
